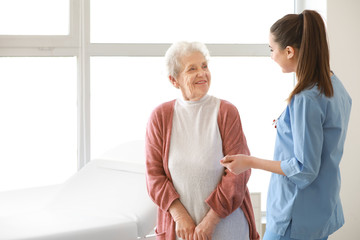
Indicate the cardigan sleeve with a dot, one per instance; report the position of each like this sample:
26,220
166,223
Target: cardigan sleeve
232,189
158,180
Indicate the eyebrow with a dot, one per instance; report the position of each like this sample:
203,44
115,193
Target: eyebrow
194,65
186,68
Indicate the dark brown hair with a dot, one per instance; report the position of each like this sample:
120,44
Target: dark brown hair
306,32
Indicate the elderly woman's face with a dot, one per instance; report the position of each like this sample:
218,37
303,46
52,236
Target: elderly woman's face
194,78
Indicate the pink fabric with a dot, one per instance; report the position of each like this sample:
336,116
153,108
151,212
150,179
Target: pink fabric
230,194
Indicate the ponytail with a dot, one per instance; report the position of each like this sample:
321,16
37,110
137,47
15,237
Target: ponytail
306,32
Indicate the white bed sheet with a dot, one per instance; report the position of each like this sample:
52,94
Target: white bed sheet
105,200
50,224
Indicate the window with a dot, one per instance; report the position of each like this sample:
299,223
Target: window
38,123
38,93
164,21
106,58
130,88
35,17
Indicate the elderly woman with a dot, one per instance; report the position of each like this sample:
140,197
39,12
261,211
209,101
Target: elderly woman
185,139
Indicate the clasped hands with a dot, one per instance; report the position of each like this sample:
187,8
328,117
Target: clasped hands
187,230
185,226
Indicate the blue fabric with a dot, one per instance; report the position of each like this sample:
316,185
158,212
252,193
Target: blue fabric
309,143
272,236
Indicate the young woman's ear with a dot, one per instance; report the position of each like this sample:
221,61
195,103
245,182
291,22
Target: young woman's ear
290,51
173,81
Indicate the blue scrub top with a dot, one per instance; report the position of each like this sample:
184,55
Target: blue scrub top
309,143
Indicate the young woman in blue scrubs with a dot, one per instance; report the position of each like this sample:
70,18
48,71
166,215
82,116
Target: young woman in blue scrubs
303,197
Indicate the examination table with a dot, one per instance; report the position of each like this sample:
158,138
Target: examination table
105,200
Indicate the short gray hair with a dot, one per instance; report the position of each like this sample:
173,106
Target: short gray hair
178,50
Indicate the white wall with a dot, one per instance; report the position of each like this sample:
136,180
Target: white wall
343,21
318,5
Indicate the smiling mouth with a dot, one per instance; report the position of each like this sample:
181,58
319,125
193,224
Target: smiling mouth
201,82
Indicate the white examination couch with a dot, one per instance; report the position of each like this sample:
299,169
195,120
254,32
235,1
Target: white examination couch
105,200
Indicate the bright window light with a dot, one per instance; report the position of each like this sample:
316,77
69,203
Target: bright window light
34,17
38,95
124,91
166,21
38,121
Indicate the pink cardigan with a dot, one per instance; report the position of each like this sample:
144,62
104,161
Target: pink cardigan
231,192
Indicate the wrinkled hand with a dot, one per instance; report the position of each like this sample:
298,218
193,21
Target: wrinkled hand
236,163
185,227
184,224
206,227
204,231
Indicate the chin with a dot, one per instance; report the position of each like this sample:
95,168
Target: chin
286,71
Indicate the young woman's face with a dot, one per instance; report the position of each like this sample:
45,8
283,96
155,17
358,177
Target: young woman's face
194,78
286,58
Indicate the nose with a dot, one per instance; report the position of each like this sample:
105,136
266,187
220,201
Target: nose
201,72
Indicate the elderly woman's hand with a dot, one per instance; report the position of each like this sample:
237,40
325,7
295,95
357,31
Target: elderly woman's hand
184,223
206,227
185,227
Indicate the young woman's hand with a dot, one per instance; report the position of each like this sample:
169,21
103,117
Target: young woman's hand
237,163
240,163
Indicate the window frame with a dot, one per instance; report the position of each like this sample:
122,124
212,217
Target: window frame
41,45
77,43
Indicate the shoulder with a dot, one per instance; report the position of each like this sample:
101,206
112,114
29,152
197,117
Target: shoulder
161,115
339,89
309,104
226,106
308,97
227,112
163,108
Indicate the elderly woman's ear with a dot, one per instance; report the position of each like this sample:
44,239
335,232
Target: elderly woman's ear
173,81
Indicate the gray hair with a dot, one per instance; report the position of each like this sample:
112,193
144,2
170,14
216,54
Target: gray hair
180,49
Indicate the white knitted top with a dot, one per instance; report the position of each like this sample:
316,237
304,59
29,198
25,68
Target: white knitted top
194,163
